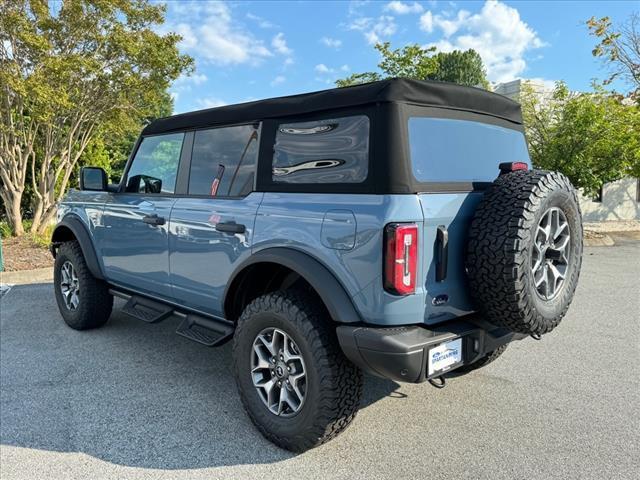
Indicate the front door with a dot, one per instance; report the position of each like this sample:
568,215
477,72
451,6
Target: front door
135,244
212,228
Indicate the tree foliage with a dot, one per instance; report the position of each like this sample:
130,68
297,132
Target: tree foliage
72,72
590,137
414,61
619,49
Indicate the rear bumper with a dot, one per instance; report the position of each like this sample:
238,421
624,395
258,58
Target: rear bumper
401,353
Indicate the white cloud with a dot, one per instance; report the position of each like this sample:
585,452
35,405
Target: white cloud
400,8
355,6
445,22
374,29
196,79
279,44
497,33
451,26
329,74
262,22
426,22
287,62
210,102
210,34
331,42
278,80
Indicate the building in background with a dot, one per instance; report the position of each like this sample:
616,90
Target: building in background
513,88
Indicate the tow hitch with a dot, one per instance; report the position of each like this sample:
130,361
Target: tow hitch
438,382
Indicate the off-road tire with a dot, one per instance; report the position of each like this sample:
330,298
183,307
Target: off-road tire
501,244
334,384
483,361
95,302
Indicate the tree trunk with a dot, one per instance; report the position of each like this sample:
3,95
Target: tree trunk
11,200
47,219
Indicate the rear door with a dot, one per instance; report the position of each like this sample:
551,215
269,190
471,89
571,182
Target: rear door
212,226
454,157
135,245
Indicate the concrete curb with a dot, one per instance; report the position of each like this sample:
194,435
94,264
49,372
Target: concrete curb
592,239
24,277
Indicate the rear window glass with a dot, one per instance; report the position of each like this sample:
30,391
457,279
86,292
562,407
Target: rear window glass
334,150
447,150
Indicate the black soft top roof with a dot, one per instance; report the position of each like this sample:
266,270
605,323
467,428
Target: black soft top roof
399,90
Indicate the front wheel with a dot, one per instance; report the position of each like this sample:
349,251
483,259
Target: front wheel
83,300
294,381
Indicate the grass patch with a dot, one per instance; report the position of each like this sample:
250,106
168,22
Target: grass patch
37,239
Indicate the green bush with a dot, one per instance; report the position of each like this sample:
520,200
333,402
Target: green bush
5,229
40,239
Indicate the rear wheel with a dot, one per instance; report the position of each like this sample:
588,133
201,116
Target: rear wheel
295,383
83,300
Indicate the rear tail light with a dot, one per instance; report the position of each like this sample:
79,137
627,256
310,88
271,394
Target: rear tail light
401,258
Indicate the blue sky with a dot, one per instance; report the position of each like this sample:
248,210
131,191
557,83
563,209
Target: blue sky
259,49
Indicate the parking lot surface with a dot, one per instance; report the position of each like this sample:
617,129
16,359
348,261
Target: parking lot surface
133,400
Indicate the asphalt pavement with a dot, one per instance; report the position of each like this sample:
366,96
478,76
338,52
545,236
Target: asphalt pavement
133,400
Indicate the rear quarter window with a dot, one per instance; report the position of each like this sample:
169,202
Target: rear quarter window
333,150
452,150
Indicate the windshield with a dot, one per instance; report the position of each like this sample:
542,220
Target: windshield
447,150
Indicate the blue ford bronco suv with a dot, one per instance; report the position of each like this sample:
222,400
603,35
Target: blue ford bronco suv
394,228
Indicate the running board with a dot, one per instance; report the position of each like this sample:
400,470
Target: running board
146,310
204,330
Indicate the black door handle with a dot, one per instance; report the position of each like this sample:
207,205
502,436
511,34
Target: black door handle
153,219
230,227
442,252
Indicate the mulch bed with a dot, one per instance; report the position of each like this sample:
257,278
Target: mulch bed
20,253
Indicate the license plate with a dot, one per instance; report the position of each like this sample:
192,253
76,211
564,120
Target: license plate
444,356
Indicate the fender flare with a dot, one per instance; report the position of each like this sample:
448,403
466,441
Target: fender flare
325,283
83,237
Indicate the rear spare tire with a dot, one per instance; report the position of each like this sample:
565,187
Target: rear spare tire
525,251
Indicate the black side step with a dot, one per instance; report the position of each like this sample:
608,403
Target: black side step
147,310
205,331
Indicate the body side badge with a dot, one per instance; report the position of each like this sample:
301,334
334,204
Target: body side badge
440,300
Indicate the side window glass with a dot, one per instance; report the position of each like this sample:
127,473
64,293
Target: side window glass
155,166
334,150
223,161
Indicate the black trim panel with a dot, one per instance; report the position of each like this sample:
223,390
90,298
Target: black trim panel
184,167
401,353
329,289
79,230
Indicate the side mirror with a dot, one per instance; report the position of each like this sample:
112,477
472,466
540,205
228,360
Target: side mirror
93,178
144,184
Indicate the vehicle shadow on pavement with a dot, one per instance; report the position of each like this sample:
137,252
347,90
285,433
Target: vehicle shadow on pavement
129,393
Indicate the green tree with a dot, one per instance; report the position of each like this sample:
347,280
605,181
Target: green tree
110,150
465,68
619,48
414,61
590,137
70,71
